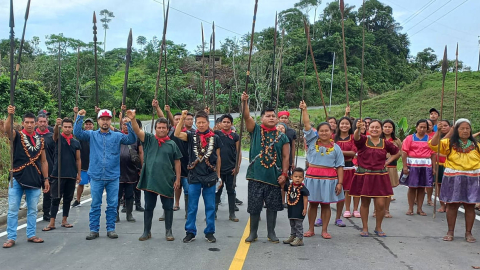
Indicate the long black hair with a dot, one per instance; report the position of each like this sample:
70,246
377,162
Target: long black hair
455,139
394,137
322,124
337,133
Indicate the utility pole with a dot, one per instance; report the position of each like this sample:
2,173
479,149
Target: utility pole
478,68
331,83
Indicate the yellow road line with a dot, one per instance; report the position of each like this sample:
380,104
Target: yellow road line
242,250
245,158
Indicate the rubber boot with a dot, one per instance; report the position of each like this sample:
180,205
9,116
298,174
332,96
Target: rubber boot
231,208
147,225
271,222
186,205
254,220
168,225
118,214
129,203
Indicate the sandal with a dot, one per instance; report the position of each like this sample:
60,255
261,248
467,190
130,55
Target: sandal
374,214
364,234
308,234
340,223
409,213
421,213
356,214
441,210
176,208
469,238
67,225
448,237
35,239
47,229
9,244
387,214
347,214
392,199
430,203
326,235
319,223
380,233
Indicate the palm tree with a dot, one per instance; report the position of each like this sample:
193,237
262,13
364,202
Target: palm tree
105,20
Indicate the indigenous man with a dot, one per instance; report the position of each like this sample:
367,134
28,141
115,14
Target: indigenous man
160,173
105,167
43,130
204,173
231,144
434,114
268,169
29,165
85,159
284,117
47,114
70,171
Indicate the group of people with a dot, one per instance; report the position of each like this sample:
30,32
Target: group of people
349,159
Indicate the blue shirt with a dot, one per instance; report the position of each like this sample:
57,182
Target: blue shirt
104,149
333,159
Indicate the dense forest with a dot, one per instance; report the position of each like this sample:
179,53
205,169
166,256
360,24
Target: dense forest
388,64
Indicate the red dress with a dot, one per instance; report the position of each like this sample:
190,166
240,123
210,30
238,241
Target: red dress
348,144
371,178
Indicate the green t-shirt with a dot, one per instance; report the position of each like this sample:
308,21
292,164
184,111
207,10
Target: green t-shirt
158,172
268,172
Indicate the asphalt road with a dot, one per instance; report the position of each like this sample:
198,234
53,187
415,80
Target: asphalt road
413,242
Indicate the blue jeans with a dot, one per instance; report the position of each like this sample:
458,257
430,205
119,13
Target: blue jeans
208,194
15,194
96,189
184,182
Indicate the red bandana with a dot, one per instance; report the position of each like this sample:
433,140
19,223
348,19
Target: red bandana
30,136
126,133
68,138
295,185
268,129
39,132
205,136
228,133
184,129
162,140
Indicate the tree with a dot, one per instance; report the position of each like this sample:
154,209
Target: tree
105,20
141,41
427,60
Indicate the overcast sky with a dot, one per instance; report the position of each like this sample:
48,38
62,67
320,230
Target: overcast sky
73,18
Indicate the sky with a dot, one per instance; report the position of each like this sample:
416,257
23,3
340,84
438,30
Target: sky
429,23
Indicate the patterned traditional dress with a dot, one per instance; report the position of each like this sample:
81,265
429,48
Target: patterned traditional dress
347,144
418,161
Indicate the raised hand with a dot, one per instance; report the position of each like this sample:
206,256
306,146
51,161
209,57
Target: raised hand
82,112
124,107
155,103
303,105
245,96
167,108
75,109
11,109
59,121
131,114
97,109
184,114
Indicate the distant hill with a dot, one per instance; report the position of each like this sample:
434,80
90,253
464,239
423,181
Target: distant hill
415,100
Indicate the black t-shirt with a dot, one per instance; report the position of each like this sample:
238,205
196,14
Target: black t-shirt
85,154
183,146
128,169
69,159
292,136
228,152
49,146
295,211
202,172
29,176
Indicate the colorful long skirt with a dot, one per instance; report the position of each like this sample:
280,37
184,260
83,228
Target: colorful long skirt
420,173
371,183
321,183
460,186
348,173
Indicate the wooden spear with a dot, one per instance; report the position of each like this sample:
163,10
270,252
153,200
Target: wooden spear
280,70
59,141
444,74
17,68
203,67
12,85
213,79
128,59
363,59
95,52
272,96
78,81
456,88
342,9
303,97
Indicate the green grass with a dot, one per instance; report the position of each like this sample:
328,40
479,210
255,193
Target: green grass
415,100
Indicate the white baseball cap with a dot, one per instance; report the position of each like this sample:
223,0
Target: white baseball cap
104,113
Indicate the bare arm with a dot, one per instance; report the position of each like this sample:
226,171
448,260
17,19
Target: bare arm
249,122
56,129
219,162
140,133
305,205
356,135
79,165
178,173
140,153
285,164
305,118
7,125
169,114
44,168
178,130
157,108
239,161
338,188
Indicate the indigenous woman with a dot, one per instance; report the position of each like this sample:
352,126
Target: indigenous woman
388,134
444,127
430,133
344,139
324,177
417,160
371,178
282,127
460,180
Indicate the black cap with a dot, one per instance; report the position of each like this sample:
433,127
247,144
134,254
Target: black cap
89,120
434,110
43,112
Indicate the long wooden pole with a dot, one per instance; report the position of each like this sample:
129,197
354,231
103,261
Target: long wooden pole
342,9
17,68
247,79
203,67
95,53
213,77
59,141
363,58
280,70
78,82
12,85
272,96
307,30
303,97
128,59
444,74
456,88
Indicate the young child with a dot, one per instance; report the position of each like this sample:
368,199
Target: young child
297,200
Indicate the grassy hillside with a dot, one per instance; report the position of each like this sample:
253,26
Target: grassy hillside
415,100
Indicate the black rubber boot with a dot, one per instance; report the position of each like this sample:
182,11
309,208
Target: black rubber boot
231,208
254,220
147,225
186,206
129,203
271,222
118,214
168,225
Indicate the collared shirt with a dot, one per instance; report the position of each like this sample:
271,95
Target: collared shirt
104,149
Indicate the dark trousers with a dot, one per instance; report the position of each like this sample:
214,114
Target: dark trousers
137,194
151,201
228,184
67,188
47,203
127,189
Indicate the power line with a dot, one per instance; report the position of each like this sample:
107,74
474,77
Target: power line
429,15
439,18
200,19
411,17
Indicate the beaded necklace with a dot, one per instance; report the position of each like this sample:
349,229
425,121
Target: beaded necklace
293,194
204,153
322,149
268,155
464,147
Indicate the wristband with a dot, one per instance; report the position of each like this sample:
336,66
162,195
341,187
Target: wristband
285,174
46,178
